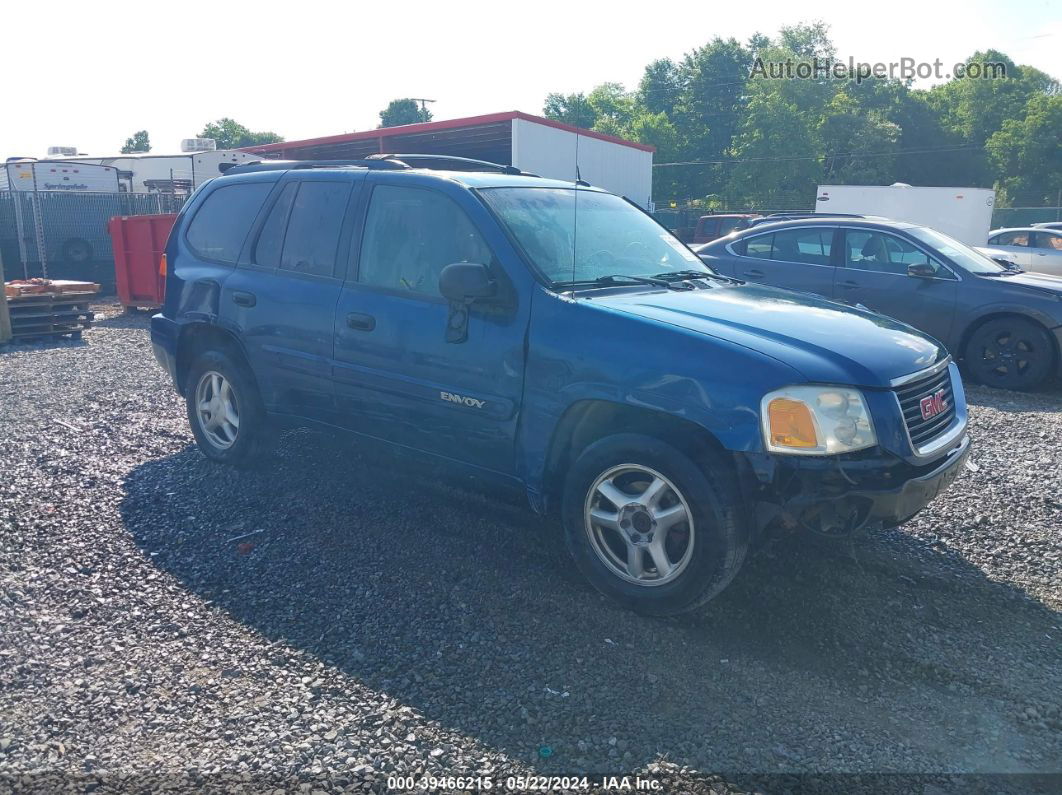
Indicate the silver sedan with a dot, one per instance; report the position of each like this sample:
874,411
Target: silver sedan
1032,248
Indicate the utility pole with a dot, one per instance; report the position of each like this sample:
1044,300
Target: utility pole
5,314
423,103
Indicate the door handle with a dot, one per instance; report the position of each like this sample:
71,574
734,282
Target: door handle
240,298
850,285
754,274
360,322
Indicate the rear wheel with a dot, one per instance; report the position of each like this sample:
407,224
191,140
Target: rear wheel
225,410
651,528
76,250
1010,353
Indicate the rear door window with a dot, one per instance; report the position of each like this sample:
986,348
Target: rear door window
1052,241
221,223
759,246
313,228
809,246
271,239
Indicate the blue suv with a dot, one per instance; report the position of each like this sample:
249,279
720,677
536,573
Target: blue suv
553,336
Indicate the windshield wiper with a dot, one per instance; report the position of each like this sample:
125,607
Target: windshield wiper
621,278
691,274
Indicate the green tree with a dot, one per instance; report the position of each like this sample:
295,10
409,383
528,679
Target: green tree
403,111
1027,152
574,109
856,143
138,143
659,89
230,134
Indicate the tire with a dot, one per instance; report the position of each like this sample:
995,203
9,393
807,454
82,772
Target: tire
1010,353
76,251
705,543
226,384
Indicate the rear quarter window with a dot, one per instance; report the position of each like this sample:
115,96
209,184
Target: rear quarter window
221,223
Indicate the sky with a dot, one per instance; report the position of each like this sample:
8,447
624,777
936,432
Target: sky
97,72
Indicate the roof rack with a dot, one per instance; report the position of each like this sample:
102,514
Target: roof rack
382,162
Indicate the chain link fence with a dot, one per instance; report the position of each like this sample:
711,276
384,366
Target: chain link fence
1024,216
64,235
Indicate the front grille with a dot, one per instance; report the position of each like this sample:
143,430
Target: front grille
911,397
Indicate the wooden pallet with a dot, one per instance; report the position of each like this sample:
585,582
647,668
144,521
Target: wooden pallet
53,286
50,315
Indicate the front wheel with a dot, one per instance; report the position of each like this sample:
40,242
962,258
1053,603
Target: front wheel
1010,353
651,528
225,410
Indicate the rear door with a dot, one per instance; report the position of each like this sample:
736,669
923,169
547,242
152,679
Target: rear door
1046,254
396,375
283,295
874,274
797,258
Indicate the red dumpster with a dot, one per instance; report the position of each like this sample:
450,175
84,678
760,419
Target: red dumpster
138,242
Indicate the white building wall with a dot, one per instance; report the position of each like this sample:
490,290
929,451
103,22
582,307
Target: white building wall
554,153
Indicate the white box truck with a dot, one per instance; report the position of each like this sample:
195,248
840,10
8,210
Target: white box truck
963,213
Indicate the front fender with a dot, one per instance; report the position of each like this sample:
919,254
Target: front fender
714,384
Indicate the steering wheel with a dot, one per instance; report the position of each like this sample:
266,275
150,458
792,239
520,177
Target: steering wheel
636,248
607,258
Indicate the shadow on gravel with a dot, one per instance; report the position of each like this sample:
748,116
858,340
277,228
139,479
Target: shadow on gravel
40,344
465,608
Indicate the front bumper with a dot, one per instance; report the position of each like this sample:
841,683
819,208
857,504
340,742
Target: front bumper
838,496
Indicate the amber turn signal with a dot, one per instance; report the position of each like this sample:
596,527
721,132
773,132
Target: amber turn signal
791,424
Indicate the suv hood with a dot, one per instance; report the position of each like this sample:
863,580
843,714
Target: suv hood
826,342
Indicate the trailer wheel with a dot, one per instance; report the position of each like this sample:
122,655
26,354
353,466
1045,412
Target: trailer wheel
76,250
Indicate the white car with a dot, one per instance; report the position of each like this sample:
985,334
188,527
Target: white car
1031,248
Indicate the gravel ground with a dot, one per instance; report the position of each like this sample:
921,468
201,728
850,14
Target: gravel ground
340,616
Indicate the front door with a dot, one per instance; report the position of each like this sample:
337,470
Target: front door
396,374
875,275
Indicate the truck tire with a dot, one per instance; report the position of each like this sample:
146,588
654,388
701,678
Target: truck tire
1010,353
225,410
649,527
76,251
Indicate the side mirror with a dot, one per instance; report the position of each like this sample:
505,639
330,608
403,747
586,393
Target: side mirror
921,270
466,282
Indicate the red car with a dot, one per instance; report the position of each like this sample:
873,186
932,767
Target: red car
713,227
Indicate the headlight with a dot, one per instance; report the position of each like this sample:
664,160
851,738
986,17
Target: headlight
816,420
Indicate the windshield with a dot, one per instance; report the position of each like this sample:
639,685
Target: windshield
580,235
959,253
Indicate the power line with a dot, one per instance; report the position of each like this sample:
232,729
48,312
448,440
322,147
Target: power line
894,153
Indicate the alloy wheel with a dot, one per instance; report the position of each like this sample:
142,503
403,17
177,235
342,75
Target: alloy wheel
217,409
639,525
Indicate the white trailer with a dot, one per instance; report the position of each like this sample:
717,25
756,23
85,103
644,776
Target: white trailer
183,173
27,174
963,213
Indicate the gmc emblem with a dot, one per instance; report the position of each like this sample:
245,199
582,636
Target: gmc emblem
933,405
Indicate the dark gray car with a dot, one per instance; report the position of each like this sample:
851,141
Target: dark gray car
1005,324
